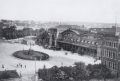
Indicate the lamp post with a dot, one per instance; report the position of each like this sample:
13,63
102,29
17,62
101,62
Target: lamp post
36,76
35,65
35,79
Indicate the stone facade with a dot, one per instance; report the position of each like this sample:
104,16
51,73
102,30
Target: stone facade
109,47
110,53
78,42
52,33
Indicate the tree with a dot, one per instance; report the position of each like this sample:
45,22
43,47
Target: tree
80,72
67,70
99,71
9,32
43,38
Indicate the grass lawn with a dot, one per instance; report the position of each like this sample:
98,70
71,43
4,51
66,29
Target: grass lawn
31,55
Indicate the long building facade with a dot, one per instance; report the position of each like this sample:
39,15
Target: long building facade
110,53
102,45
77,42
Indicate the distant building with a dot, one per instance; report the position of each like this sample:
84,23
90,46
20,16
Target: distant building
106,31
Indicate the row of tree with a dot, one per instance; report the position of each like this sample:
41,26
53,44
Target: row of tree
79,72
43,38
11,32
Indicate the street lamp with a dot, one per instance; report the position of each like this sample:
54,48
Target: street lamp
35,65
35,76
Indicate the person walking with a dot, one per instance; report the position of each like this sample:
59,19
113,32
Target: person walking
25,66
3,66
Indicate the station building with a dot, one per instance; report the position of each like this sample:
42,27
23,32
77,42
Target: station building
81,42
101,43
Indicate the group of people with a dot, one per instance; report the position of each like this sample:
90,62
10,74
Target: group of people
20,65
3,67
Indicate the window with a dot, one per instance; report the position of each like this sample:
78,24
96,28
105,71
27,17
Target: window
85,41
109,64
114,55
109,54
78,40
105,52
114,45
96,43
81,40
113,65
105,62
71,39
93,42
109,43
89,42
70,35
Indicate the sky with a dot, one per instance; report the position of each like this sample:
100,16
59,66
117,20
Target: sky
107,11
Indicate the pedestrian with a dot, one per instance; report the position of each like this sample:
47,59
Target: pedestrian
66,53
17,65
3,66
21,65
44,67
20,74
25,66
61,63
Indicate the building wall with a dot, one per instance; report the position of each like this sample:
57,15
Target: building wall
52,33
110,53
107,31
105,47
73,41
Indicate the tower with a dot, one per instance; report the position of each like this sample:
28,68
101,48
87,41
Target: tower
53,35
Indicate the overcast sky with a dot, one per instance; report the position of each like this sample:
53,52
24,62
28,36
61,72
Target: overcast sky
61,10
